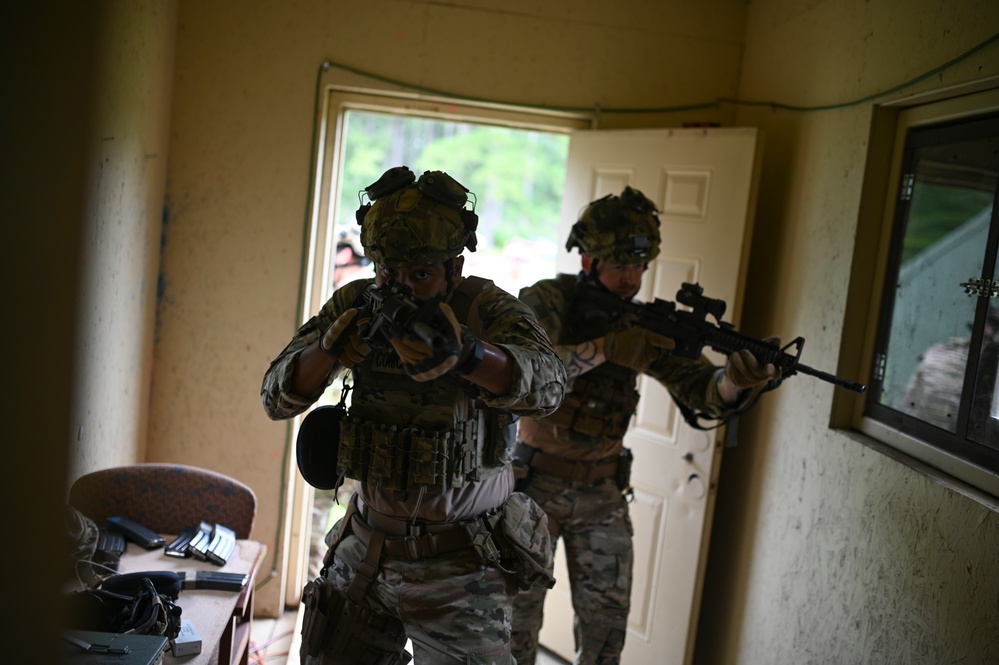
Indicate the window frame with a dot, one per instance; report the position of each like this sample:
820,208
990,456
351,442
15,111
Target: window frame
890,124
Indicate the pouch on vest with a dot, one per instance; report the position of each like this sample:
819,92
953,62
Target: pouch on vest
332,623
526,542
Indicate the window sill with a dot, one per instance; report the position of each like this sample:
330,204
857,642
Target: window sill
984,491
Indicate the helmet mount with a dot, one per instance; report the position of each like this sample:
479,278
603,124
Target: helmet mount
416,221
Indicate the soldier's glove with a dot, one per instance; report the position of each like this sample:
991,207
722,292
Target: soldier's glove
635,347
744,371
439,348
342,339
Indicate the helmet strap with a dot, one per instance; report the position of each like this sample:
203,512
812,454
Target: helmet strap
593,274
449,276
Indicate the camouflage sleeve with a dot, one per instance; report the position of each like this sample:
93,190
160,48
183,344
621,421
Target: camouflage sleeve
548,301
693,382
538,374
279,400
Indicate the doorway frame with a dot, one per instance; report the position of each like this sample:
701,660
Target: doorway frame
336,94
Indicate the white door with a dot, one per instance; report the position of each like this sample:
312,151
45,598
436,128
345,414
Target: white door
703,181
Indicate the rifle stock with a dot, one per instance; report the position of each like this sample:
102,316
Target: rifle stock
691,331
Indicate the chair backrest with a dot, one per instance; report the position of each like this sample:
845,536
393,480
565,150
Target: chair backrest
165,497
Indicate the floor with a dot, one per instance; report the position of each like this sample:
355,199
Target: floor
276,642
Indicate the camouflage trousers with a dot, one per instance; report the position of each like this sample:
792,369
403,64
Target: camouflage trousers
454,608
593,522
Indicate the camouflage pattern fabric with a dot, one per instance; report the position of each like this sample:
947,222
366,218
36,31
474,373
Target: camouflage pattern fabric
455,609
594,525
618,229
591,519
410,228
538,375
691,381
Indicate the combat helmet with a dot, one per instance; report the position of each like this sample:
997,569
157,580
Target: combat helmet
618,229
414,221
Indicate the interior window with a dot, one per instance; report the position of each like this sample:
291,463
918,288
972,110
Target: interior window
935,359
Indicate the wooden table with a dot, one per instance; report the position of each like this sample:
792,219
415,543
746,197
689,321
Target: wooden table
222,618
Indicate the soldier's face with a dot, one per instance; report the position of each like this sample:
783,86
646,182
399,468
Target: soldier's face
425,281
622,279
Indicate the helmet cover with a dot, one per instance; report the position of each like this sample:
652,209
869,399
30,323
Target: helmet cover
618,229
420,223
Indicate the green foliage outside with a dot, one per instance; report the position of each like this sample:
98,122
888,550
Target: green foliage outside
515,175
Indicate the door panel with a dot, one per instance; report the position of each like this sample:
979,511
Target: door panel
703,181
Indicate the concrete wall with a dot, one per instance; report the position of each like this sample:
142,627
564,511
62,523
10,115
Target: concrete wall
242,122
825,551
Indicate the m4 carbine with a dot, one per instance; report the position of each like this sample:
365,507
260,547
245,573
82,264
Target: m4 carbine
396,312
692,331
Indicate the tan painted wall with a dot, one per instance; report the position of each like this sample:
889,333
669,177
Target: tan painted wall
121,239
244,101
825,551
42,185
86,90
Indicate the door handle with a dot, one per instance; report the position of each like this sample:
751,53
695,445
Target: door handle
696,486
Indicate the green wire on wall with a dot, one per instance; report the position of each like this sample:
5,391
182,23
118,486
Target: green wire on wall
667,109
326,65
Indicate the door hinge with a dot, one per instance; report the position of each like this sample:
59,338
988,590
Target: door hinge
908,181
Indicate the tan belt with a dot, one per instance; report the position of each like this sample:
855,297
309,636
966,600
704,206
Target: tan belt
580,472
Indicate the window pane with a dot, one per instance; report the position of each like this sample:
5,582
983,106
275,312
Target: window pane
946,233
984,425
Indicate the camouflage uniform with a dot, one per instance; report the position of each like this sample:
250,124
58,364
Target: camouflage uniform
592,516
577,473
453,606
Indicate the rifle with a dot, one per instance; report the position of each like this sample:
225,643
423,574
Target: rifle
396,312
691,331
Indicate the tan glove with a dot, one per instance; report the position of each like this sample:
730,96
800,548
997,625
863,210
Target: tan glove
424,361
744,371
635,347
342,339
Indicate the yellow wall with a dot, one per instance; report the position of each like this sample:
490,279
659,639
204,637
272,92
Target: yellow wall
242,121
824,551
120,251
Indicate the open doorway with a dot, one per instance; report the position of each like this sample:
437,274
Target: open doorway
513,163
704,182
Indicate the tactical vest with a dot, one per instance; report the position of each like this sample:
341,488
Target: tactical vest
601,402
401,434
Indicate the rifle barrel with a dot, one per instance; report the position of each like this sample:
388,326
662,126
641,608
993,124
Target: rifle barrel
858,388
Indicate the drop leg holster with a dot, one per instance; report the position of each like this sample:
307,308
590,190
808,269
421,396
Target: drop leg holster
335,618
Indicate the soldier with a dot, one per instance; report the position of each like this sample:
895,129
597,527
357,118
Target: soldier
435,541
576,465
349,262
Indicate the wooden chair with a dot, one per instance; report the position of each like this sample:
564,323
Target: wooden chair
166,497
